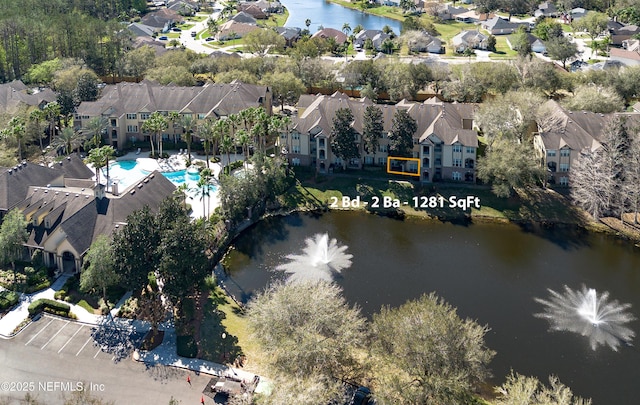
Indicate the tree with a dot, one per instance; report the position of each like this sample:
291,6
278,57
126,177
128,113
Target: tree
343,136
598,99
372,129
188,124
346,28
285,86
548,29
86,87
520,42
99,158
13,236
407,5
264,40
387,46
594,23
561,49
509,165
207,132
96,127
100,269
522,390
424,353
491,43
155,124
52,112
183,264
403,127
307,331
68,140
135,249
137,61
15,131
36,116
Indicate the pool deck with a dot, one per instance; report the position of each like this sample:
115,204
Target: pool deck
175,162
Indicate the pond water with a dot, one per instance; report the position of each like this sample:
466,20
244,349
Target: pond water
491,272
330,15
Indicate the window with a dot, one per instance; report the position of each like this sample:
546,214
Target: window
551,153
368,160
321,142
201,116
457,148
457,162
415,141
564,167
469,163
144,116
471,149
132,128
295,135
425,150
322,156
295,149
382,148
133,116
381,161
283,136
114,123
564,181
184,115
456,176
425,162
565,152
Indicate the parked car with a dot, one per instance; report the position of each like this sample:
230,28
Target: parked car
193,34
176,29
163,38
210,39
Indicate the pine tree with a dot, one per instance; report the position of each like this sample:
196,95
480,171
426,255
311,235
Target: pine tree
343,136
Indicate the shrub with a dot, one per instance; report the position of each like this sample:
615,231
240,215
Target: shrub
60,294
54,307
8,299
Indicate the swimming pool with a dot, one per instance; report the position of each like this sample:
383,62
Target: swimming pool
128,172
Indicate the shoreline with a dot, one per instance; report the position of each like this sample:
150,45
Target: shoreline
351,6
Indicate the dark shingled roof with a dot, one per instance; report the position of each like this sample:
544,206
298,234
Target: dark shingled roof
74,168
15,182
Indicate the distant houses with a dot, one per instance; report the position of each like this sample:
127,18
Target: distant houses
469,40
325,33
377,37
500,26
536,44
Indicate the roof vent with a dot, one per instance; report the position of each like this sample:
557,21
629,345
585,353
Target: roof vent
68,157
48,185
67,194
140,185
86,196
584,112
82,189
46,191
24,162
10,171
117,226
132,192
77,195
146,180
57,193
151,175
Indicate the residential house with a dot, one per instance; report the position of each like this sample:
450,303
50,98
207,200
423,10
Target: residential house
446,11
546,9
184,7
267,6
128,105
473,17
253,10
162,19
233,30
141,30
244,18
421,41
500,26
377,37
339,36
15,94
444,141
537,45
619,32
157,46
472,39
636,107
629,56
576,13
290,34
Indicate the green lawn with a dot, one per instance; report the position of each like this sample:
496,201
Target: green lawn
503,51
275,20
394,13
197,17
185,27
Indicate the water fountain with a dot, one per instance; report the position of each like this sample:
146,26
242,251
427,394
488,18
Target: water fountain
589,314
322,259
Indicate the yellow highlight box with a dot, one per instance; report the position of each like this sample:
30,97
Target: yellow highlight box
390,158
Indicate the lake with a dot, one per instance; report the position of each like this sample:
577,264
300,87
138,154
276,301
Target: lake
490,272
330,15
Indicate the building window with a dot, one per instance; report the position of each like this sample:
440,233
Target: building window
133,116
381,161
456,176
201,116
471,149
565,152
457,162
283,136
144,116
552,166
564,167
295,149
382,148
425,150
114,123
322,155
132,128
321,142
184,115
564,181
425,162
551,153
368,160
415,141
457,148
468,163
295,135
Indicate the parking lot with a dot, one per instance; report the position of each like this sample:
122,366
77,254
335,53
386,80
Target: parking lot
68,338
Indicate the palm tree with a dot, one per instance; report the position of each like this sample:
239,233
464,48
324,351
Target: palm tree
207,133
69,140
387,46
286,124
358,28
155,124
227,146
188,124
174,119
36,116
99,158
95,128
307,23
346,28
52,112
203,189
16,131
213,27
220,131
243,140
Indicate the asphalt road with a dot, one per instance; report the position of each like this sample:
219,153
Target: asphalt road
52,357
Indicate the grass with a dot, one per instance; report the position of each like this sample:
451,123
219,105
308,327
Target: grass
394,13
185,26
84,304
198,17
275,20
502,49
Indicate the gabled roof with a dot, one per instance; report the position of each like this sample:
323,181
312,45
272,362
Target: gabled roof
139,29
15,182
74,168
243,17
14,94
160,18
339,36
